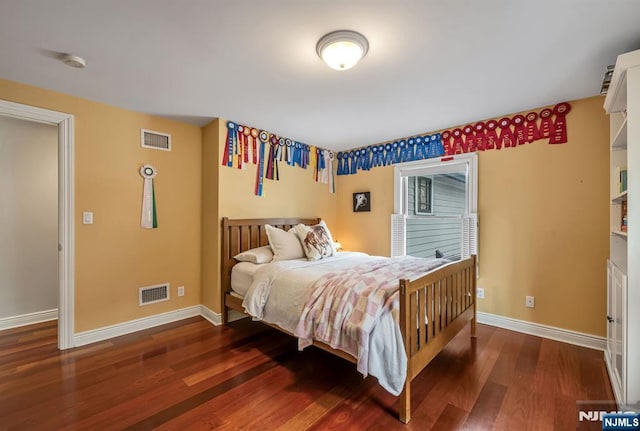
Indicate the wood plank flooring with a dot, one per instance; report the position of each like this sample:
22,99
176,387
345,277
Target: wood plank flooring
190,375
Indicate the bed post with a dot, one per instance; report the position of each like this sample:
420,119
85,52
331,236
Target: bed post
224,270
474,297
405,322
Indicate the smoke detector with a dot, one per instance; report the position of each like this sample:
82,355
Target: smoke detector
73,61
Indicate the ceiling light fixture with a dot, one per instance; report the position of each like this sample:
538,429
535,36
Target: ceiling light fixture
73,61
342,49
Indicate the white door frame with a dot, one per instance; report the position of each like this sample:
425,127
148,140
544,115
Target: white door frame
65,124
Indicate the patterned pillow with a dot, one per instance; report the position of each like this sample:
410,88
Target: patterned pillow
285,245
317,242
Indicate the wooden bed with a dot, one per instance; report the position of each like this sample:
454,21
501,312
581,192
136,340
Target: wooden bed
442,301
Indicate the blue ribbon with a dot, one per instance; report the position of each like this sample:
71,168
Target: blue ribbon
374,156
231,135
339,170
419,148
388,154
354,159
412,149
436,149
395,150
260,169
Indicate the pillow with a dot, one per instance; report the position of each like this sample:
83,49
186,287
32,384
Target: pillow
256,255
316,240
285,245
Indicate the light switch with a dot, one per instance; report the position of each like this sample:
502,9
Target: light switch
87,217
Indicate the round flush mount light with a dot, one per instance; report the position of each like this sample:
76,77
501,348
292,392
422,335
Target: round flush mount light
73,61
342,49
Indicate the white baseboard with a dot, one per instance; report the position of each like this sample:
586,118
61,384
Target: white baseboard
216,318
210,315
551,332
101,334
28,319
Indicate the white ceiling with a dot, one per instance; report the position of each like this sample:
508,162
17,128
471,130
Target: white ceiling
432,64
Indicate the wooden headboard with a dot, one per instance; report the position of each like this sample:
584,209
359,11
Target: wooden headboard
239,235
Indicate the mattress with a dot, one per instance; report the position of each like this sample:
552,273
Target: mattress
242,276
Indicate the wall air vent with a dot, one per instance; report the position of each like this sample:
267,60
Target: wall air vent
155,140
152,294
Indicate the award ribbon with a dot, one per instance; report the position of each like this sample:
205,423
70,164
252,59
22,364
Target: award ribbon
354,158
227,158
149,218
446,142
456,146
491,136
506,136
546,123
239,146
254,141
260,171
246,133
519,130
531,126
469,145
436,142
480,135
559,135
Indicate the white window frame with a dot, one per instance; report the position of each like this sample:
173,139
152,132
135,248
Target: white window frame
441,165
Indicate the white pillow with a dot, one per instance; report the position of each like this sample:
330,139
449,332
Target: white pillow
285,245
256,255
316,241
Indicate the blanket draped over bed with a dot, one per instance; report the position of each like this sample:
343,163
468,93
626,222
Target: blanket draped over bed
350,303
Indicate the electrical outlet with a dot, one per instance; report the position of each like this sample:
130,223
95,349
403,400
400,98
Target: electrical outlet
180,290
529,301
480,292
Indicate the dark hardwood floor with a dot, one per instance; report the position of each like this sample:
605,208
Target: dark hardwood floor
190,375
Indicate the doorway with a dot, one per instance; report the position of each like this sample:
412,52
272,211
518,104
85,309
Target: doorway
65,125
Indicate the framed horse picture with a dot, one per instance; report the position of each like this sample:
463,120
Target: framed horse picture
361,202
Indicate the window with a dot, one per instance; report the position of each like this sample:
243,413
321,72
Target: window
423,195
435,208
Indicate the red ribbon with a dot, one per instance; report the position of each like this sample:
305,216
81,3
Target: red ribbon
559,135
546,124
457,142
531,126
254,135
446,142
469,145
480,135
245,142
240,145
491,135
519,131
506,135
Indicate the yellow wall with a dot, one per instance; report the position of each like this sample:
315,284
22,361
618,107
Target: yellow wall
115,256
295,195
543,215
543,224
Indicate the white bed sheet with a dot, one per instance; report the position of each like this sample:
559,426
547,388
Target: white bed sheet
242,276
280,290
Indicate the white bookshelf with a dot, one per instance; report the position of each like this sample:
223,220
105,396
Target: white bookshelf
623,268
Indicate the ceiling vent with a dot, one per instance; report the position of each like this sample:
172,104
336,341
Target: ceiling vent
155,140
152,294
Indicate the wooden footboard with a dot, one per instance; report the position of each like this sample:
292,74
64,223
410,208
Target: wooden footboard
433,309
